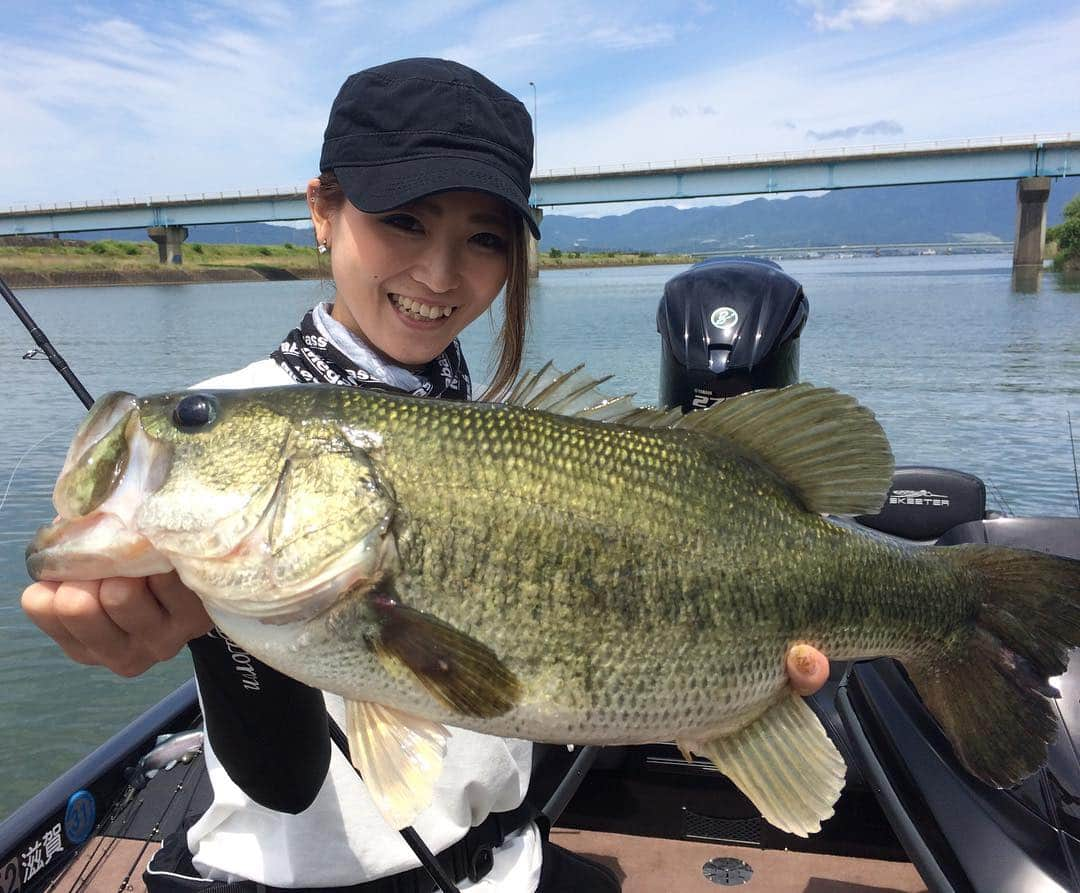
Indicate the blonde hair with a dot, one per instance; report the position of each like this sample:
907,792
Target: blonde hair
510,340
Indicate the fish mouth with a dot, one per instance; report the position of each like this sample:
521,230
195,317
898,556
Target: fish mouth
419,310
109,467
91,548
134,499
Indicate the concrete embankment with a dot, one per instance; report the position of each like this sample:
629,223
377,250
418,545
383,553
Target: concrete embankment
147,276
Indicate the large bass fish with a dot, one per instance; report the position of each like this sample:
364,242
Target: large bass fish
614,577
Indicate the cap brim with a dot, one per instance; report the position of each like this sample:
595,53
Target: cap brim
383,187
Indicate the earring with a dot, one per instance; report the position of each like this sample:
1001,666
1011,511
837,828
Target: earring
323,247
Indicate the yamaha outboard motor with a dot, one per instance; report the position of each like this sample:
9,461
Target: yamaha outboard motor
728,325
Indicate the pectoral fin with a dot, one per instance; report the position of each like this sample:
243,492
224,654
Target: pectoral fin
399,757
784,763
457,670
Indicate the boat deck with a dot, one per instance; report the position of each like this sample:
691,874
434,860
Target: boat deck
645,865
114,860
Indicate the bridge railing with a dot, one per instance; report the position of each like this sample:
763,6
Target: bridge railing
283,192
276,192
989,142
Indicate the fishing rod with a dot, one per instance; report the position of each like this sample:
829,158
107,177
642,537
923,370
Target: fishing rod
45,345
427,860
1076,473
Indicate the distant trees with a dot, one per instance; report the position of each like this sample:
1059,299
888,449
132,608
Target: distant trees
1067,236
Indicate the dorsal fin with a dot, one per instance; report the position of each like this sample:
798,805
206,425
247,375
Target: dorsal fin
830,450
576,393
827,447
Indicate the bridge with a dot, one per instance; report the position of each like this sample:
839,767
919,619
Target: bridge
1032,160
890,248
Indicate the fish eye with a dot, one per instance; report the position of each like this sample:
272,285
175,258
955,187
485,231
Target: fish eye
195,412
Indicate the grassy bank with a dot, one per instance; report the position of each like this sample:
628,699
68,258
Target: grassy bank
42,262
28,263
556,259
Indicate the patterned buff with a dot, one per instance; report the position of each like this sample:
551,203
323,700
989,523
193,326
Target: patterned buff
323,350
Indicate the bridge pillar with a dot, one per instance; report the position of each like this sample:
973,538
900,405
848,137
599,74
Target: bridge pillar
169,239
534,246
1031,196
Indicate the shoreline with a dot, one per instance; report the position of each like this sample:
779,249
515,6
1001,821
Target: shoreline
83,277
177,275
28,262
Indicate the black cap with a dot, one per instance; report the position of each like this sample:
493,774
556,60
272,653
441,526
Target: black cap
411,128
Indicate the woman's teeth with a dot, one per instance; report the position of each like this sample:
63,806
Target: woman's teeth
418,310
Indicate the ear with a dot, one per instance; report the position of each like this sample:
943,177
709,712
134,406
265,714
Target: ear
320,220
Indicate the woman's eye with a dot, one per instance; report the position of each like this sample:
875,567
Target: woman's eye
404,221
490,241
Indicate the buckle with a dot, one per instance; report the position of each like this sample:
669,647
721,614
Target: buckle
480,863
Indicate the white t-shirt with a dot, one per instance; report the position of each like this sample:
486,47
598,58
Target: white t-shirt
341,839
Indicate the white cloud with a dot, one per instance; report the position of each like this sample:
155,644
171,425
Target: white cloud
115,121
846,14
558,33
619,37
968,89
220,97
875,128
413,16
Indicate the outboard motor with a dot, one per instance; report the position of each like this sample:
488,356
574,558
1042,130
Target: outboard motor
728,325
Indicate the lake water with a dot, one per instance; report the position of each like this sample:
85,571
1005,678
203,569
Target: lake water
962,369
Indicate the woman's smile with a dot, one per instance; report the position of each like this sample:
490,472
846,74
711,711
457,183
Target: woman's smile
419,311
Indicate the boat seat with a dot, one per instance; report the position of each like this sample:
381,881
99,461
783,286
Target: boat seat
924,502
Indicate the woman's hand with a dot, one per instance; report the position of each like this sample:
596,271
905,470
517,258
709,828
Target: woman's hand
807,669
124,624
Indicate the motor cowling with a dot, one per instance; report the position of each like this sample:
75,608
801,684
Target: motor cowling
728,325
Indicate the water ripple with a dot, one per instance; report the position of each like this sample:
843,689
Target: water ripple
961,371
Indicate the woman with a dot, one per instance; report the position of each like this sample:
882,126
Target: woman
422,205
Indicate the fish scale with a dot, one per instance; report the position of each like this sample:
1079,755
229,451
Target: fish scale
530,574
633,564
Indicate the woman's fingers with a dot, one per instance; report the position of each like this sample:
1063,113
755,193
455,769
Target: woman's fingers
38,601
79,606
183,607
807,669
126,625
134,612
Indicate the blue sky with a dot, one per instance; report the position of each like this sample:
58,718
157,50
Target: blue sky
108,99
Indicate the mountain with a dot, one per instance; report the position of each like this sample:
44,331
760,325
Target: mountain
944,212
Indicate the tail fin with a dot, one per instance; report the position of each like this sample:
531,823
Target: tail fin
993,699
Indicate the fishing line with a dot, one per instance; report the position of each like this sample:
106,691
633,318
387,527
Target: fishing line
1000,497
7,489
17,538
